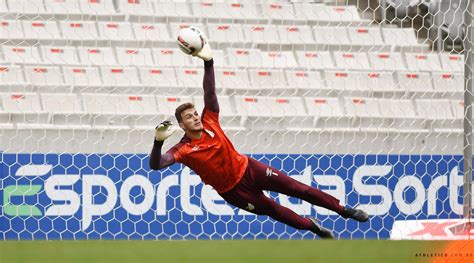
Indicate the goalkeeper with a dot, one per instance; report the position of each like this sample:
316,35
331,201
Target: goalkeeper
239,179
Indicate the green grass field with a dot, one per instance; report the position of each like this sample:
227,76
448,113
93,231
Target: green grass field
272,251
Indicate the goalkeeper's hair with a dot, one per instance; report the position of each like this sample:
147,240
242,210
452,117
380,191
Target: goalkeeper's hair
181,108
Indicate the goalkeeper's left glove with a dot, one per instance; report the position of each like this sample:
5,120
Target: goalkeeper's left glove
205,53
164,130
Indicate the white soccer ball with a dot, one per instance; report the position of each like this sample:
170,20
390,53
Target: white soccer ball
190,40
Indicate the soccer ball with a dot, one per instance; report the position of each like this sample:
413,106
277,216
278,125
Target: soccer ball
190,40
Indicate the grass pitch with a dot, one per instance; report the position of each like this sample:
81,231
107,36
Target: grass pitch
261,251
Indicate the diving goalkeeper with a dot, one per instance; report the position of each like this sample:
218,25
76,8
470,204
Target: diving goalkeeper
239,179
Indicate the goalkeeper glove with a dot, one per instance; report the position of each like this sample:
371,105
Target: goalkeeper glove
164,130
205,53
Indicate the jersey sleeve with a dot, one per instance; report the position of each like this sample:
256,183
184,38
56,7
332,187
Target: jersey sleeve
175,151
210,117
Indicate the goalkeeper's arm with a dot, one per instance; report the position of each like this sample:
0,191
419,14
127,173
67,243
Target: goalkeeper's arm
158,160
209,83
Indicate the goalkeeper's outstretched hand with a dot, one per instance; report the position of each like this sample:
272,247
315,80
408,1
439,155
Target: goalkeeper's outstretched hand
164,130
205,53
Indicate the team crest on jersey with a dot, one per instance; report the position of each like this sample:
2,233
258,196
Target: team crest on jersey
195,148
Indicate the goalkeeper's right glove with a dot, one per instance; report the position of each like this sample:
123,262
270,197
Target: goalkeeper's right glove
164,130
205,53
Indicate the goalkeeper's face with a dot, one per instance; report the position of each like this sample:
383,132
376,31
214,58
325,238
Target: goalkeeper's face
190,120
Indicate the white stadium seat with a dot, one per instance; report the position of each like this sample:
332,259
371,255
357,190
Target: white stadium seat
151,32
351,60
60,55
304,80
362,108
439,109
342,80
232,79
365,36
63,7
311,11
278,59
168,104
134,56
41,30
340,14
3,6
315,60
21,54
97,7
96,56
452,62
242,10
397,108
43,76
170,57
327,13
210,9
261,34
448,82
324,107
136,7
331,35
278,10
33,7
11,29
158,77
173,9
190,77
458,108
423,62
79,30
386,61
231,33
66,110
295,34
242,57
401,37
142,109
378,81
415,81
11,75
82,76
115,30
106,110
24,108
119,76
267,79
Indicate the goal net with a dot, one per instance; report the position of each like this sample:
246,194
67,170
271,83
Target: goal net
362,99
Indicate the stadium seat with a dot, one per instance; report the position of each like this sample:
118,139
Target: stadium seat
276,10
168,104
423,62
386,61
452,62
11,29
243,10
97,7
458,109
65,8
115,31
226,33
119,76
60,55
378,81
339,14
24,108
366,36
41,29
190,78
261,34
30,7
360,81
21,54
3,7
210,9
415,81
106,111
176,27
437,114
142,110
79,30
448,82
315,60
245,58
295,34
151,32
327,113
278,59
400,37
232,79
351,60
158,77
96,56
136,7
228,118
65,110
172,9
304,80
170,57
11,75
134,56
310,11
268,80
43,76
365,113
402,114
331,35
82,76
340,80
